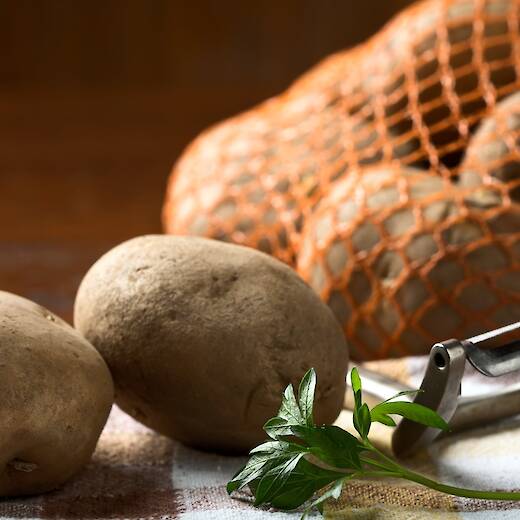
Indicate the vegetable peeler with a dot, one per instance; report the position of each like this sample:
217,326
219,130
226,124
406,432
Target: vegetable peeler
493,354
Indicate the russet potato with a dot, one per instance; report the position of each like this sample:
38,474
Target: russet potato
56,392
404,257
202,337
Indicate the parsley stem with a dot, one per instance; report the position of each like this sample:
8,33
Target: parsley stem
384,473
377,464
460,492
405,473
392,465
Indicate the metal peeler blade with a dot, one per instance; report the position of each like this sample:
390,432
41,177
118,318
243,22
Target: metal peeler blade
493,354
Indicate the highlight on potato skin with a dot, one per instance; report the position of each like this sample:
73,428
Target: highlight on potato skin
415,103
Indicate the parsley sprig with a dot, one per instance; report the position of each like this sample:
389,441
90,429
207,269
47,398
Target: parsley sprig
302,458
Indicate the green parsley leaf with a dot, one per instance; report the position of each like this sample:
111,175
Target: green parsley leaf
301,485
355,382
274,480
361,414
362,420
277,427
412,411
383,419
402,393
289,410
256,466
332,445
333,492
279,448
306,396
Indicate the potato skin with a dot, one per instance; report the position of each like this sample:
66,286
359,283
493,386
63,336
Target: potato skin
202,337
56,396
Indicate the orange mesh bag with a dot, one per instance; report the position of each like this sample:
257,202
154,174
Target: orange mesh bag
388,176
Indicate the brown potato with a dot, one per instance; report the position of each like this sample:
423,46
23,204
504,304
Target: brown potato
56,395
405,258
492,159
202,337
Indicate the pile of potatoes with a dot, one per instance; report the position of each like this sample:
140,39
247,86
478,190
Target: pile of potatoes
387,176
200,338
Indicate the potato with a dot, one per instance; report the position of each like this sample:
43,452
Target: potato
405,258
492,159
56,395
202,337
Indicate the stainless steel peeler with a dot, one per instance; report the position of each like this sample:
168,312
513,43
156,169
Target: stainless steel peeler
493,354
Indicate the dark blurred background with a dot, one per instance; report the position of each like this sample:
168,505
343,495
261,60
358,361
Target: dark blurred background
98,99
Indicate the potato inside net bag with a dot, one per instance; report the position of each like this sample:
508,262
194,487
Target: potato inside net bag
388,176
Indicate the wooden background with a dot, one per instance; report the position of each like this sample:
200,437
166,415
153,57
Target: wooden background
98,99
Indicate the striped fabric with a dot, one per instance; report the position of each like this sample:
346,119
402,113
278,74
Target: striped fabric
137,474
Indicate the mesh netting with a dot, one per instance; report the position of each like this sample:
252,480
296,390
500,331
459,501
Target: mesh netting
389,176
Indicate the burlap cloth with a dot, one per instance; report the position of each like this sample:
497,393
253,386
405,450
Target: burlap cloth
138,474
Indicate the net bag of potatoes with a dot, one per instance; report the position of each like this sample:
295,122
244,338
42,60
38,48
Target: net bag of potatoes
388,176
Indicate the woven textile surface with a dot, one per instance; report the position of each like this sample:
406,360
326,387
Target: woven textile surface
136,473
